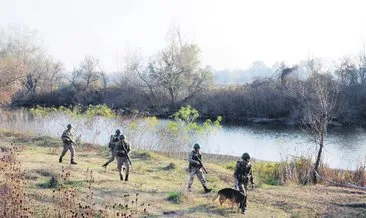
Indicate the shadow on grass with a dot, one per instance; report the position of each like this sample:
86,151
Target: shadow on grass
53,182
202,209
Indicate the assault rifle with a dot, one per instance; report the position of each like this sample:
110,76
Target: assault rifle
124,149
203,168
69,139
251,178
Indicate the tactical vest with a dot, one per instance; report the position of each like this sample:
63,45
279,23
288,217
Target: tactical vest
66,137
120,152
196,156
242,171
114,141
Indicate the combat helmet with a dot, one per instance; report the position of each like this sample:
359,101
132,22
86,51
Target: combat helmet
196,146
245,156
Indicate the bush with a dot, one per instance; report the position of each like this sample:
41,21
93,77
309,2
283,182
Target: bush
175,197
266,172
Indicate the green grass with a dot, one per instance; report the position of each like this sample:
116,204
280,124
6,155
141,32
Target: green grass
160,181
175,197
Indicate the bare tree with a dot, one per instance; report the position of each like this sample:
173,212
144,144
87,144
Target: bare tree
318,98
177,69
88,75
347,71
137,73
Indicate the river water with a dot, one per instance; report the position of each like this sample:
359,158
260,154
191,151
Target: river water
344,147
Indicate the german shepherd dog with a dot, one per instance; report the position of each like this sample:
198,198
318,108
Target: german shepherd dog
234,196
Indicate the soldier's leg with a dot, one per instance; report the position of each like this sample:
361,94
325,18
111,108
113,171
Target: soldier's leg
236,183
192,172
119,167
64,150
245,194
111,159
241,187
127,165
72,151
201,177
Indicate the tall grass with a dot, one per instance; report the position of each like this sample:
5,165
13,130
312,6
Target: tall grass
13,197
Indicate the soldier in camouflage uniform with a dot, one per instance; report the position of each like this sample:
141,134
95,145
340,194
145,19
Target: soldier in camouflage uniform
113,141
121,151
67,139
242,176
195,168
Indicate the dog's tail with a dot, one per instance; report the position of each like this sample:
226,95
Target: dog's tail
216,197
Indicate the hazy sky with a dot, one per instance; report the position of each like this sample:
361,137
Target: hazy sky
231,34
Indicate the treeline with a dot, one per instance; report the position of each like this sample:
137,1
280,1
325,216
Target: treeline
174,77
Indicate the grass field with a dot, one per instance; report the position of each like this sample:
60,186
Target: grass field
35,184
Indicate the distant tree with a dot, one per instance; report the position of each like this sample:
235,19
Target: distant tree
12,70
362,65
20,50
177,70
347,71
88,76
318,98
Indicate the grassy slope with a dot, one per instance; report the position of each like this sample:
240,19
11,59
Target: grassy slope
153,180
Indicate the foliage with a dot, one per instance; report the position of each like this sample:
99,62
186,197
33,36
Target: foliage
175,197
90,111
266,172
99,110
184,130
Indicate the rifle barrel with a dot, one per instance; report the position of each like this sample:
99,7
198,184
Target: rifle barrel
204,169
128,157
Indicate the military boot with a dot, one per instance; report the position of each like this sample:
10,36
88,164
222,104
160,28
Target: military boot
105,165
121,177
126,179
207,190
73,162
60,160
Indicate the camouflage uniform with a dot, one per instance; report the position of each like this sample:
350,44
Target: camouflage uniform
67,138
195,169
242,176
114,140
121,157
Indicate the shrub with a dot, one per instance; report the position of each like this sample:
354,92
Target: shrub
175,197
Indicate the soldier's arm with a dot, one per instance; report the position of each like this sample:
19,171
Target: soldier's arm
190,159
128,147
71,137
251,174
111,139
236,169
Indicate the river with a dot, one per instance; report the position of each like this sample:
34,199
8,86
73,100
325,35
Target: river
345,148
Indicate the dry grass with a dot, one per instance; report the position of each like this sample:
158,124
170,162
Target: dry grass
156,187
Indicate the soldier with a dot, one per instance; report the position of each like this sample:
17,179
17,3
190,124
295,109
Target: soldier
195,165
242,176
121,151
114,140
67,139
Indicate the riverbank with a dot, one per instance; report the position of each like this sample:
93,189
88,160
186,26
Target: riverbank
156,187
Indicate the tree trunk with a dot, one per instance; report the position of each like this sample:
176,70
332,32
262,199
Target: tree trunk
317,162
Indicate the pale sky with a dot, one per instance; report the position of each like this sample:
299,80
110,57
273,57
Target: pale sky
231,34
